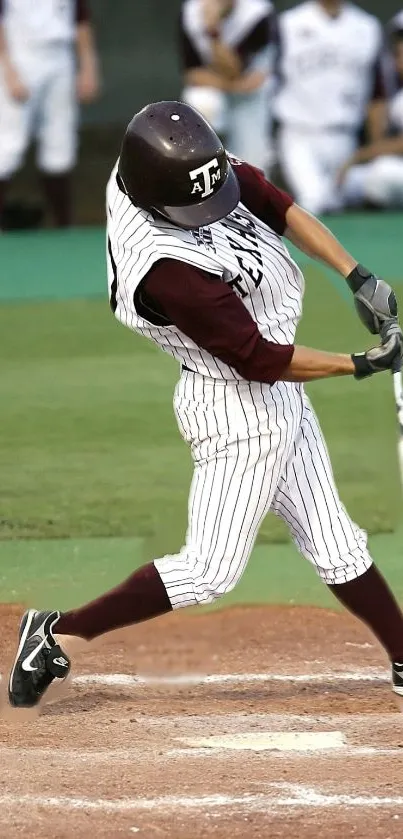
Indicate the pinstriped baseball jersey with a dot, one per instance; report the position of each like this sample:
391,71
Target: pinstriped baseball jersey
241,249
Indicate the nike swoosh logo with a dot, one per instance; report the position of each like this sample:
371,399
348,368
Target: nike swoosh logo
61,661
26,664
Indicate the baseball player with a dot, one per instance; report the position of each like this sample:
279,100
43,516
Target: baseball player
331,81
197,263
374,173
39,85
227,54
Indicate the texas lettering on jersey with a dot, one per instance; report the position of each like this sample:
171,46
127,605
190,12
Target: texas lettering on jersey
247,252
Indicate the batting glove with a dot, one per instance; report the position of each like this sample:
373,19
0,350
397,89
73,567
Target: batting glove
374,299
386,357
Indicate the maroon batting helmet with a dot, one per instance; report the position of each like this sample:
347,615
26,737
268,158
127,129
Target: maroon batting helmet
173,162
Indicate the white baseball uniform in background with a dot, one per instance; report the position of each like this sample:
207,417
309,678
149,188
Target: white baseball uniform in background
40,40
381,180
245,118
255,447
327,71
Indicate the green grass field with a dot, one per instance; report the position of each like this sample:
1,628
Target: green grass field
89,448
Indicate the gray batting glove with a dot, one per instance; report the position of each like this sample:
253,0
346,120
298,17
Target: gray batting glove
374,299
386,357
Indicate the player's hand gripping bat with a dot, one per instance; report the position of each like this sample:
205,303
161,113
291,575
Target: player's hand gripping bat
383,357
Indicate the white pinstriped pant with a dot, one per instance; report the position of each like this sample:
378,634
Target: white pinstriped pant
255,448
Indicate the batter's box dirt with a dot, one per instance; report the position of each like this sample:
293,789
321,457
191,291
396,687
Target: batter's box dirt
178,754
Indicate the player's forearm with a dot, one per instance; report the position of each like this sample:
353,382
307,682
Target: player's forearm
85,45
312,237
203,76
388,145
377,120
249,82
225,61
307,365
5,59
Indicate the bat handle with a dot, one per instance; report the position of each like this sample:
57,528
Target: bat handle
398,391
397,365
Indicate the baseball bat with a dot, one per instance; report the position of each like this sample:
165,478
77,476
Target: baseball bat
398,391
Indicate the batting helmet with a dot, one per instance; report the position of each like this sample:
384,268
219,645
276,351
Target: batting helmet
173,162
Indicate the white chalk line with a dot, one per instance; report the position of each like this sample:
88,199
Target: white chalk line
125,680
288,795
100,756
189,679
301,796
284,754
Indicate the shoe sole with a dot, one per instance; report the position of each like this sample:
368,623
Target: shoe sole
28,617
398,691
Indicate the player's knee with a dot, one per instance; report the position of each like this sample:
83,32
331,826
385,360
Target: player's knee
211,585
11,158
57,166
381,183
56,160
193,579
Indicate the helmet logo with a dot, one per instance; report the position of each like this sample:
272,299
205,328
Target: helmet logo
205,177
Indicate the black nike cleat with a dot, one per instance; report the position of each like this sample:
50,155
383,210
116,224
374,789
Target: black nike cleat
39,660
397,678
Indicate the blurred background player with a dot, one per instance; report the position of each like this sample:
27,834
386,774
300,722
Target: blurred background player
374,174
331,81
227,52
47,63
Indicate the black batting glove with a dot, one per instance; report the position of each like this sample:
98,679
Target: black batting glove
374,299
386,357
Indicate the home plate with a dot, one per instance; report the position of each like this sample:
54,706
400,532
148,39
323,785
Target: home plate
283,741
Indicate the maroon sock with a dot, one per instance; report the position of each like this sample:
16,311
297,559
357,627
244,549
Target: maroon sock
57,189
369,597
3,190
139,598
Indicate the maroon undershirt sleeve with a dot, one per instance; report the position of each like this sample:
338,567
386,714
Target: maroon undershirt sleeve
82,11
209,312
262,198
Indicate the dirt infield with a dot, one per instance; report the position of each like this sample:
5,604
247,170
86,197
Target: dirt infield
249,722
